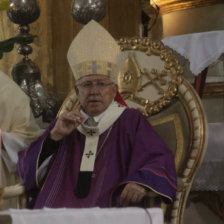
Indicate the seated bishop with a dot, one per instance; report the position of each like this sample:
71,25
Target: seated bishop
102,153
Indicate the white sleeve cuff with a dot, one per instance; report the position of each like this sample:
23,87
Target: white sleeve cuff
12,146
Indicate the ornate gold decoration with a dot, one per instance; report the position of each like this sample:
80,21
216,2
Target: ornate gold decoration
167,6
129,78
133,79
196,148
198,128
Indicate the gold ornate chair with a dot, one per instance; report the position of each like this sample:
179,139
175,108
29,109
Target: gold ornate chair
150,80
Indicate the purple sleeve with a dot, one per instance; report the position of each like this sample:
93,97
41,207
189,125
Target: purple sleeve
28,159
152,162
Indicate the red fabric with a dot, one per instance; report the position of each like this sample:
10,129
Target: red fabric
120,100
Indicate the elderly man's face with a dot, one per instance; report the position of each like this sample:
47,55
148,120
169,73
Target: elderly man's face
95,93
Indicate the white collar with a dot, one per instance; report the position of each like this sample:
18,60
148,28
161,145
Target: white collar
92,133
96,118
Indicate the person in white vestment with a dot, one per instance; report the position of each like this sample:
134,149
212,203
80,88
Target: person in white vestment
17,129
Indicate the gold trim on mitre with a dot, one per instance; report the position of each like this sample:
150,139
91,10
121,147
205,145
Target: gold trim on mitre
93,51
95,67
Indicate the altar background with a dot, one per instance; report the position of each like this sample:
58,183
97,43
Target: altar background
56,29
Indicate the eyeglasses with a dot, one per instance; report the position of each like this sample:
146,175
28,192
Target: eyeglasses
98,84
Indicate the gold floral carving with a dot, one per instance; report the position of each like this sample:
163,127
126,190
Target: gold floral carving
167,6
131,75
129,78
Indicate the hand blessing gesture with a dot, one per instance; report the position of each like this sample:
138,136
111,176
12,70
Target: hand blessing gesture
66,123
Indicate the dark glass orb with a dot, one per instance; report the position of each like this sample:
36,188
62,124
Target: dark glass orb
84,10
25,70
24,11
24,50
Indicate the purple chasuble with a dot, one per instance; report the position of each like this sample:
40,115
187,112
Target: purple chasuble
130,150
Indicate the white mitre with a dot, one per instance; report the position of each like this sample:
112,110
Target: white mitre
93,51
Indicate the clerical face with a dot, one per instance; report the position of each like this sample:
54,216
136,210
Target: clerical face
95,93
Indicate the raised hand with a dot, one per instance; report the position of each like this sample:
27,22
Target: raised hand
66,123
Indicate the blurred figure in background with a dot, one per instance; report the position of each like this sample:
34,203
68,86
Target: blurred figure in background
17,129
